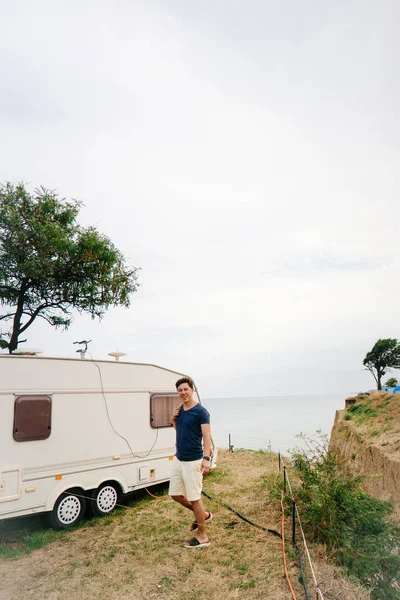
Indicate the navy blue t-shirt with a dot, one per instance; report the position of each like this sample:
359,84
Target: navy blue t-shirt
188,432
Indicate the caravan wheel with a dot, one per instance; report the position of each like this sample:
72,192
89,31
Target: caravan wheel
67,511
105,499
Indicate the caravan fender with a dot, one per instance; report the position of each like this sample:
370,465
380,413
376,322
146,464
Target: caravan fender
117,477
70,484
59,489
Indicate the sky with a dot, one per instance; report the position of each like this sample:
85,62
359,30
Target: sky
243,155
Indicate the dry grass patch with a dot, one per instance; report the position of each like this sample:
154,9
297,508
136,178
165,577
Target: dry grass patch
137,552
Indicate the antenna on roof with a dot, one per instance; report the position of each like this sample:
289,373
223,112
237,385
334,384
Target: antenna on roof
82,351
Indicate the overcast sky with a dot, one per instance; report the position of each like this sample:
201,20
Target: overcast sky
244,155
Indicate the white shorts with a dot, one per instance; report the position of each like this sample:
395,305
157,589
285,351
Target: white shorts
186,479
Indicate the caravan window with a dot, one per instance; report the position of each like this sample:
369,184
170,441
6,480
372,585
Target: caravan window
161,407
32,418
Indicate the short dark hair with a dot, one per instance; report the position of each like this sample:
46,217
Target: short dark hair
187,380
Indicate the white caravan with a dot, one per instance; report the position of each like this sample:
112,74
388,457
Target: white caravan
79,433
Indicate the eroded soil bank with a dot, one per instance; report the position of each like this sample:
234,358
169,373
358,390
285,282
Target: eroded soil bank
366,436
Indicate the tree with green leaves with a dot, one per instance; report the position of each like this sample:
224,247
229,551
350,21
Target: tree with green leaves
51,266
385,355
391,382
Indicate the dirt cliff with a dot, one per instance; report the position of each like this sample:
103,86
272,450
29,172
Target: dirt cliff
366,436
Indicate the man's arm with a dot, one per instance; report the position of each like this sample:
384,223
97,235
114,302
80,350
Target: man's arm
206,433
175,415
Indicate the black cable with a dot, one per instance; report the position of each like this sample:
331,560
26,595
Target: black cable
242,516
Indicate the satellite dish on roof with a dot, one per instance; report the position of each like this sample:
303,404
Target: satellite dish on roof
117,355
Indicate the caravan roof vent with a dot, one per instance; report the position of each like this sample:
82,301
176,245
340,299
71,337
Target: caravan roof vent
27,352
117,355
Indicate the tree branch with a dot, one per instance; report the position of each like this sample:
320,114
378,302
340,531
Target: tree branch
45,318
6,316
371,370
8,288
33,317
33,314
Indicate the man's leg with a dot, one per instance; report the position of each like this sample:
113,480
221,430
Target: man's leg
191,478
184,501
188,504
200,515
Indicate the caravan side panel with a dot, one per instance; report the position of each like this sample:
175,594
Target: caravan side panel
100,430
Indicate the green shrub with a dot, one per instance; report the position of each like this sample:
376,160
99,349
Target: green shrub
354,527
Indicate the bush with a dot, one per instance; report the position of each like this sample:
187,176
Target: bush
354,527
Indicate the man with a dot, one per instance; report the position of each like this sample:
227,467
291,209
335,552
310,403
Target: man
192,459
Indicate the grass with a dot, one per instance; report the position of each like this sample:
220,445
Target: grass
361,413
137,552
25,535
22,536
375,416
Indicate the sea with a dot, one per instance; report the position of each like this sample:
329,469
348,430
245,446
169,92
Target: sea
271,422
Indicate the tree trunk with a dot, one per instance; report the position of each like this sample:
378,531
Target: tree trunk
13,344
378,380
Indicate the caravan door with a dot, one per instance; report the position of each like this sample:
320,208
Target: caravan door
10,483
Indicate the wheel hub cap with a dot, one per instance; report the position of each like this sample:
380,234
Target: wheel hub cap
69,509
107,499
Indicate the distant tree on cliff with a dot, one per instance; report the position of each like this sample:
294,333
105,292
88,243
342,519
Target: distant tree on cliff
50,265
385,355
391,382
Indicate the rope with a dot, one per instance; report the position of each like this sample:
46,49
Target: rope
303,578
153,496
319,593
73,493
284,552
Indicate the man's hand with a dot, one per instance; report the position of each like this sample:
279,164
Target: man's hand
175,412
205,466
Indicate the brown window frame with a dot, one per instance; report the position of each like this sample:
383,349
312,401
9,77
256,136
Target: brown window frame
158,396
28,425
